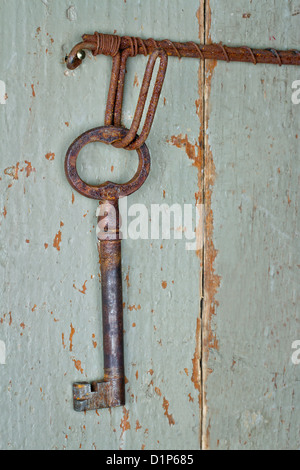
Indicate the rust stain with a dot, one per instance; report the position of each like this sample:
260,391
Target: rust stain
63,340
157,391
78,365
83,289
137,426
133,307
196,373
136,81
125,425
4,212
33,91
28,169
13,171
195,153
4,316
191,398
57,241
164,284
23,326
166,413
137,375
34,308
212,280
182,141
127,277
71,337
50,156
94,342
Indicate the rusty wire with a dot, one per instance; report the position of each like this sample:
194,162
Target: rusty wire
121,48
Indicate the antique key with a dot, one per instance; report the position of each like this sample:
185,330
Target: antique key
110,391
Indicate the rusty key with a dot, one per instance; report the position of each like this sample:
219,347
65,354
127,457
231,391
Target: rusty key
110,391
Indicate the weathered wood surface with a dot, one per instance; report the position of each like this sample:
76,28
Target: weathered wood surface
225,135
251,313
51,297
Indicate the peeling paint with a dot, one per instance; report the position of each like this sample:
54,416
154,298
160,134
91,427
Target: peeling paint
212,280
137,426
78,365
57,240
125,425
83,289
71,337
166,413
136,82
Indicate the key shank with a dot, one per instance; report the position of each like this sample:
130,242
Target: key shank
109,392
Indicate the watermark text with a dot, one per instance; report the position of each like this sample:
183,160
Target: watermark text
296,354
3,95
296,93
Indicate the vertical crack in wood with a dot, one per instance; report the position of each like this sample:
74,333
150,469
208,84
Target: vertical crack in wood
201,15
203,202
210,280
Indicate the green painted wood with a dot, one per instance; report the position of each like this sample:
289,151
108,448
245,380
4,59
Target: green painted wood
50,308
51,330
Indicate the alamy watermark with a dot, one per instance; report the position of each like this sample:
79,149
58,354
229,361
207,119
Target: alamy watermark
3,95
2,353
296,354
159,222
296,93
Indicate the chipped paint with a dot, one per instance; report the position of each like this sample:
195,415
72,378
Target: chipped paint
166,413
152,319
83,289
71,337
125,424
196,373
78,366
28,169
50,156
94,342
57,240
137,425
14,171
33,90
136,82
133,307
